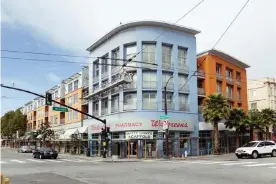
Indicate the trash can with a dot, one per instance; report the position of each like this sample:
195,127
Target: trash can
88,152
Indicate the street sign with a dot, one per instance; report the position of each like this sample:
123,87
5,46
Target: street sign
61,109
165,124
165,117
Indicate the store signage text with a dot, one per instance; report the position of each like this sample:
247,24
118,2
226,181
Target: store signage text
139,135
121,125
156,123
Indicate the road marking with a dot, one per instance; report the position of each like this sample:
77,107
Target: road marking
72,160
33,160
55,161
272,167
18,161
239,163
257,165
211,162
2,162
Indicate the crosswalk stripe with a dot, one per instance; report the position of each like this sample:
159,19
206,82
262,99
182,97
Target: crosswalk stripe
2,162
72,160
55,161
18,161
33,160
211,163
257,165
239,163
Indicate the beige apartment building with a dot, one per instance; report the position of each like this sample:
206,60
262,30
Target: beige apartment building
262,94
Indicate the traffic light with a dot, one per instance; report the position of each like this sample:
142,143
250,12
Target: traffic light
48,98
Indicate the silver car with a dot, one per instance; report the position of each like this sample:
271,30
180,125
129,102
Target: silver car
25,149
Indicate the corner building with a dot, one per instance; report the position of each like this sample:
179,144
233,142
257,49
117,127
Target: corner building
134,102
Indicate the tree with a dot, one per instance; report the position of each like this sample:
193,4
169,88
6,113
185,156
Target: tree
216,109
253,121
12,122
45,131
237,120
268,118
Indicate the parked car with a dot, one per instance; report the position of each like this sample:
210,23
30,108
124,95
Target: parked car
25,149
42,153
255,149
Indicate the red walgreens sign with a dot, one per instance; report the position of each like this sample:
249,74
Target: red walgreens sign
159,123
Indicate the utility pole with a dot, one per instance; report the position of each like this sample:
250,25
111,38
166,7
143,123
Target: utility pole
166,112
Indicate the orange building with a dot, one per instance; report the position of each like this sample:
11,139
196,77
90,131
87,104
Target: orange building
222,73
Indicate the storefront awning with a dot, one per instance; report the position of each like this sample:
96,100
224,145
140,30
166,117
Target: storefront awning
68,133
83,130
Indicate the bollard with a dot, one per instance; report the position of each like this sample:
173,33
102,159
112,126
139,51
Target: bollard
6,181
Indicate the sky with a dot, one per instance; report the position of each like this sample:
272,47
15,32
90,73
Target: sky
70,26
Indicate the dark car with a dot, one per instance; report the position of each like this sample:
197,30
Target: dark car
42,153
25,149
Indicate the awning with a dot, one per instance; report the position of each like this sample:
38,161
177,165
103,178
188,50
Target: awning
68,133
83,130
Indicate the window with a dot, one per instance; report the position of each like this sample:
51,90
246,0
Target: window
75,115
115,61
230,105
115,103
229,73
169,100
96,108
165,78
238,76
149,53
219,87
75,101
70,100
104,66
183,102
130,52
218,69
182,79
239,94
229,91
96,69
271,91
76,84
254,105
253,93
70,88
149,80
182,56
70,115
130,100
166,56
149,101
133,84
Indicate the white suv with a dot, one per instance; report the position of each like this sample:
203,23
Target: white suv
256,149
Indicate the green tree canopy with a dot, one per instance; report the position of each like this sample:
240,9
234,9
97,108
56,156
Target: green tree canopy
12,122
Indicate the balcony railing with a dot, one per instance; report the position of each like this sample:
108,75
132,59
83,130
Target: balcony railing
114,108
219,76
104,111
229,96
167,65
201,91
84,101
95,79
115,90
62,121
183,88
149,84
170,105
200,73
183,68
149,105
130,105
238,82
85,93
131,85
170,85
229,80
183,107
201,109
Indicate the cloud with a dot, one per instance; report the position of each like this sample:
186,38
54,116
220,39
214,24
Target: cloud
53,77
75,25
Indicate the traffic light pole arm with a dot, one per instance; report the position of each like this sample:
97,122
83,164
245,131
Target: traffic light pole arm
26,91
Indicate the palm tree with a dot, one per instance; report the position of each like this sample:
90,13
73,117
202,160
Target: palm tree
236,119
216,109
268,119
253,121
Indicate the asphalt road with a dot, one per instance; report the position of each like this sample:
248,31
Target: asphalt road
22,168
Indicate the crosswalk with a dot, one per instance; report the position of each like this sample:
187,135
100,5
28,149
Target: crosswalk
25,161
245,164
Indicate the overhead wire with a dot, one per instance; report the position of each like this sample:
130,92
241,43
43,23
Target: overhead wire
217,42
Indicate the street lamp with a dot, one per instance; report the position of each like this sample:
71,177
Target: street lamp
166,112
